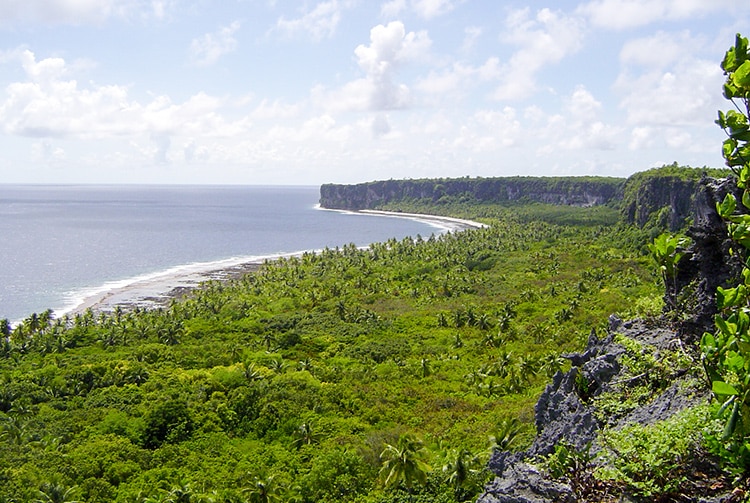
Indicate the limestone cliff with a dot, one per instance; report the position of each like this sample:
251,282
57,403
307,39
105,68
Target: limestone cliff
578,191
660,198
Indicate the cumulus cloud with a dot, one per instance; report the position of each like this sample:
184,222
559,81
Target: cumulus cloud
545,39
659,50
390,47
675,88
380,126
471,35
392,8
459,79
623,14
51,104
320,22
206,50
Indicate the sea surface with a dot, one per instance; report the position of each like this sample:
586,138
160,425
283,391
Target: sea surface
60,244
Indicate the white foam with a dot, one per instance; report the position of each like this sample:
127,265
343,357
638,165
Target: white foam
136,290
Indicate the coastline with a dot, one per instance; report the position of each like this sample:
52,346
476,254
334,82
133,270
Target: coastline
153,291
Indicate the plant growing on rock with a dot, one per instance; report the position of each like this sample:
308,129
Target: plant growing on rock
667,251
726,352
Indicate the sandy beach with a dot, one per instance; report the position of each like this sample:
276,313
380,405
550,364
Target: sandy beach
159,289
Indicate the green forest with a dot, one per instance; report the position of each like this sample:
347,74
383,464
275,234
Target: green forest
311,378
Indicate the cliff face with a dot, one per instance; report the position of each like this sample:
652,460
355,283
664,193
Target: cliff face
576,191
665,201
661,198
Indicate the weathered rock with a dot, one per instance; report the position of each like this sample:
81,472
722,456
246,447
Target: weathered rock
708,262
524,483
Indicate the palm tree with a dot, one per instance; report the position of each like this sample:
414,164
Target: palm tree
459,466
305,435
506,435
404,463
264,491
55,492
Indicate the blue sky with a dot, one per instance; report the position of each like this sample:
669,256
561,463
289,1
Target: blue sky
310,92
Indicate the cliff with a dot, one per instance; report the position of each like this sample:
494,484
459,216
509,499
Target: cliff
660,198
577,191
664,197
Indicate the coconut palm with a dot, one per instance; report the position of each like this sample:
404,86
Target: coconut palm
404,464
305,435
264,490
55,492
459,465
506,435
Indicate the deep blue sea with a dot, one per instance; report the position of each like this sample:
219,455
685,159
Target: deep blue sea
60,241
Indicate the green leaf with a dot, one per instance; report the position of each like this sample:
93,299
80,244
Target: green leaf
708,342
722,388
732,422
730,90
741,77
726,208
721,121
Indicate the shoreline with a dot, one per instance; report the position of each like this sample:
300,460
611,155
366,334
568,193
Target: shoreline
158,290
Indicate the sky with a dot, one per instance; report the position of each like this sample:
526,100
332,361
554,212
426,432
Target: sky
305,92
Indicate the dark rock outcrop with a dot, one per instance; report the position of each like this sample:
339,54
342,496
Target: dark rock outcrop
708,262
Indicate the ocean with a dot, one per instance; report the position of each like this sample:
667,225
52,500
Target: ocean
63,244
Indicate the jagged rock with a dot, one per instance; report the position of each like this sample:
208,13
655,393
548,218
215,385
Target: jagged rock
707,263
524,483
561,412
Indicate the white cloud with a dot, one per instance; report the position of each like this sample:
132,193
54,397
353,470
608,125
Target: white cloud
390,47
459,79
683,94
471,35
622,14
206,50
582,105
380,126
56,11
392,9
432,8
545,39
80,12
426,9
320,22
47,104
659,50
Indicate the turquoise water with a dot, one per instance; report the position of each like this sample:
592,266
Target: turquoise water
61,241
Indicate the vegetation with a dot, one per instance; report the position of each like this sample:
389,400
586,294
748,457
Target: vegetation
726,353
370,375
